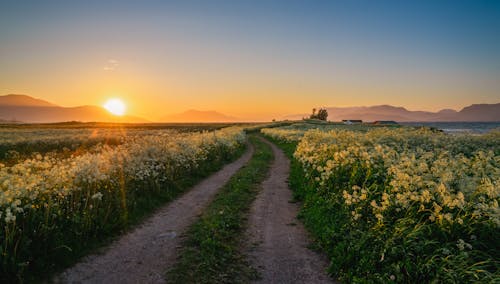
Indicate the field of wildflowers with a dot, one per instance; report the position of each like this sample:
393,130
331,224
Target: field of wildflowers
16,144
401,205
51,207
20,141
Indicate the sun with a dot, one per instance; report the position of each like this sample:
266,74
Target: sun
115,106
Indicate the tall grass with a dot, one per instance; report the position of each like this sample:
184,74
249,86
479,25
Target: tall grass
401,205
54,210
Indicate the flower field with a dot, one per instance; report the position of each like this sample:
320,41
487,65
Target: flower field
401,205
51,206
16,144
20,141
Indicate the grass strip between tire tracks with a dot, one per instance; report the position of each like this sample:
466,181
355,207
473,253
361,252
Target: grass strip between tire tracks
143,207
211,252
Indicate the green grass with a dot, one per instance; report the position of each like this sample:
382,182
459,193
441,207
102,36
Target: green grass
309,124
139,205
295,179
415,253
212,250
13,151
188,126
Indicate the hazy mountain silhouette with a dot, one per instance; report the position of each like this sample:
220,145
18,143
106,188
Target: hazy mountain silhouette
447,111
23,100
475,112
28,109
198,116
481,112
4,121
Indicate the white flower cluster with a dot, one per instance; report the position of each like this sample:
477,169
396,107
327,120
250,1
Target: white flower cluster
403,170
13,136
402,195
49,183
288,135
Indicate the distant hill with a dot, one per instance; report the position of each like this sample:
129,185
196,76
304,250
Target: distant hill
23,100
476,112
481,112
198,116
30,110
3,121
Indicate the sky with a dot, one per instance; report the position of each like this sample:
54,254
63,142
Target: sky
252,59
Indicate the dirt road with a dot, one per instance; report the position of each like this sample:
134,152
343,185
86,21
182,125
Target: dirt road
279,240
144,254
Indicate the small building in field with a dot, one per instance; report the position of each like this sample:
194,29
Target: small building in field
385,122
351,121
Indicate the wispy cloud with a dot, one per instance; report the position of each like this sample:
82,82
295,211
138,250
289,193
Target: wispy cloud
111,65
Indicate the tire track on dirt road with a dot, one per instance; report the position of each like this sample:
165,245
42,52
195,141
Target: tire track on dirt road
144,254
280,241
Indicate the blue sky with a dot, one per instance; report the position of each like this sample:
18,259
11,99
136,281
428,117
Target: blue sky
252,57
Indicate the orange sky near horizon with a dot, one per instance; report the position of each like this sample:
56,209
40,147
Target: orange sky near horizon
148,100
249,59
256,106
249,97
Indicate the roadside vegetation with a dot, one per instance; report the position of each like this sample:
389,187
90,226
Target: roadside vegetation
399,205
22,141
212,250
54,209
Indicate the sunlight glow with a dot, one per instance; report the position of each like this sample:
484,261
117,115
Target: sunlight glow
115,106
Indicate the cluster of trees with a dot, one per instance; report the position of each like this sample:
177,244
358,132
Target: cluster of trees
321,115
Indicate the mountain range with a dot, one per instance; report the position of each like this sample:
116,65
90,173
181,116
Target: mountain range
22,108
472,113
199,116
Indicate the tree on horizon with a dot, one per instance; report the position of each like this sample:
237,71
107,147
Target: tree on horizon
321,115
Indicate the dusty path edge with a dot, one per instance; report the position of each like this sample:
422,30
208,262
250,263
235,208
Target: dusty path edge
142,254
277,241
216,237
